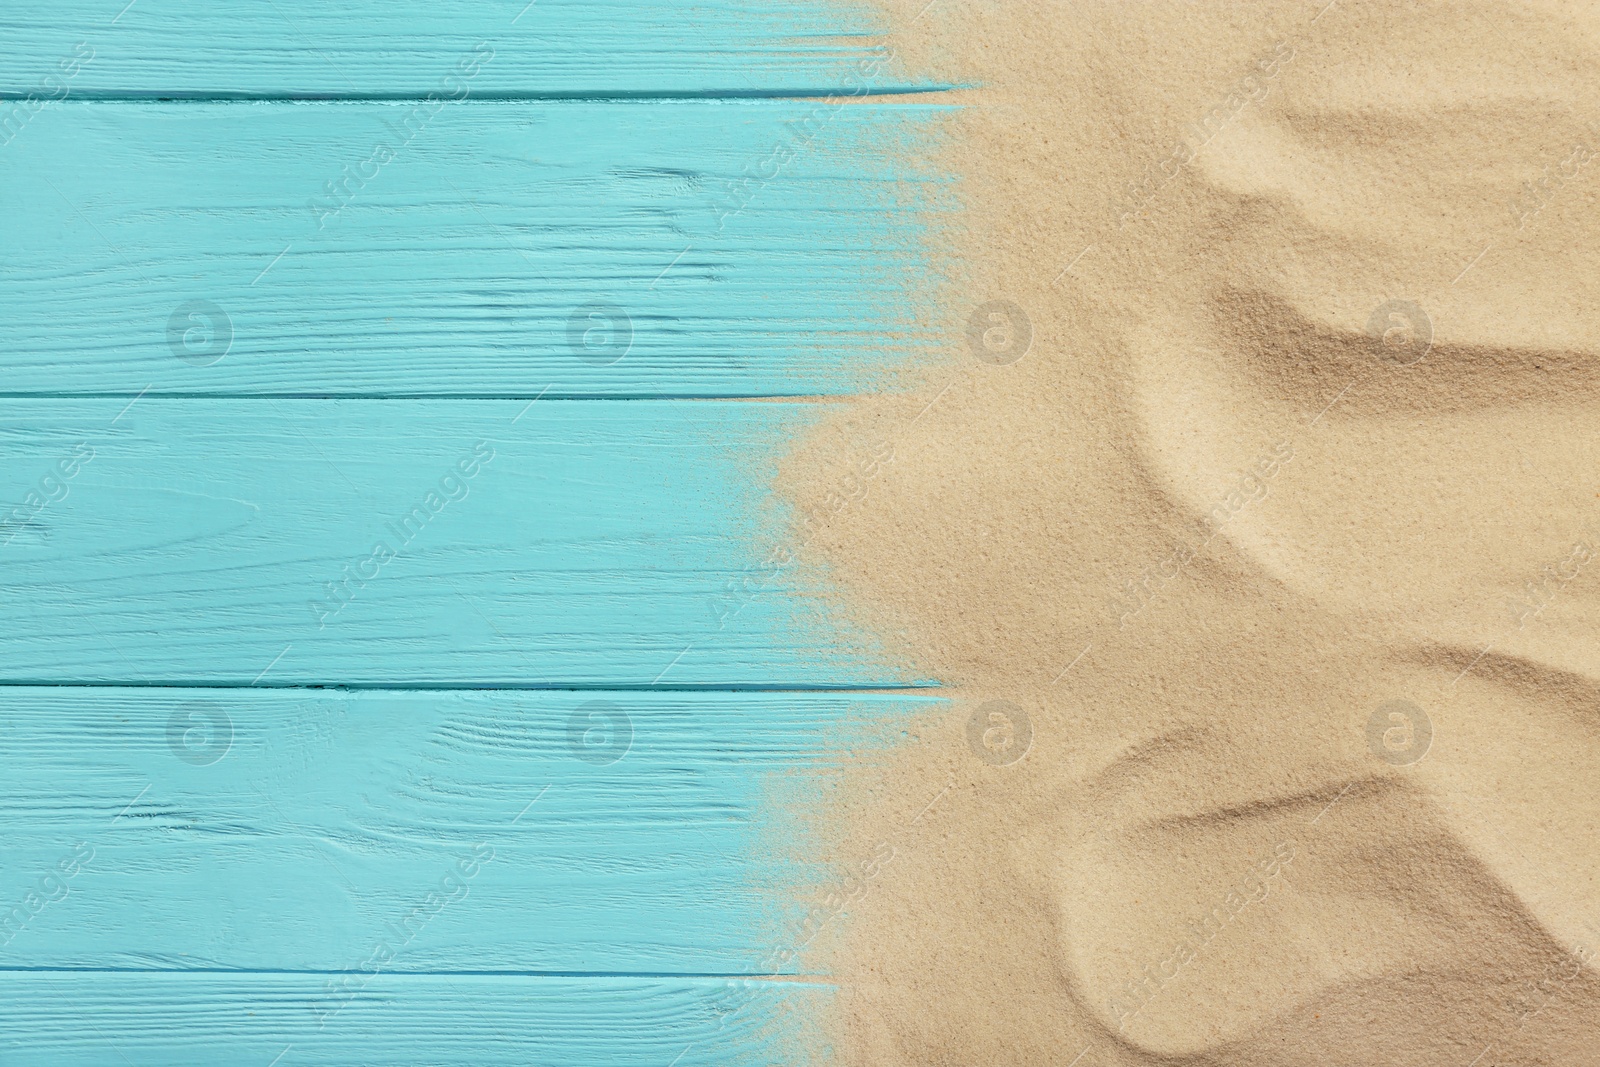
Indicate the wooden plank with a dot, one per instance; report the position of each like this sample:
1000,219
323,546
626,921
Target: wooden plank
188,1020
405,543
408,47
469,831
684,248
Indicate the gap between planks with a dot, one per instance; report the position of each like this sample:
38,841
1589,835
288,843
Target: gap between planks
509,687
712,976
643,96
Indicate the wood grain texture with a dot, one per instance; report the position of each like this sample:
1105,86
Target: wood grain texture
685,248
201,1020
288,48
404,659
446,543
521,833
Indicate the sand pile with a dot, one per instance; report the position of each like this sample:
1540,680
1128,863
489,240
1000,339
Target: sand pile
1253,520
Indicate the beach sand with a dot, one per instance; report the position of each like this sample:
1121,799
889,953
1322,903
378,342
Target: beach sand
1252,518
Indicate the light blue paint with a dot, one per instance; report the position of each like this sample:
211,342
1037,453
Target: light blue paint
574,832
190,1020
245,338
296,48
242,541
756,248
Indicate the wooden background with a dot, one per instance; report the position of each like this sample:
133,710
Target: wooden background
393,674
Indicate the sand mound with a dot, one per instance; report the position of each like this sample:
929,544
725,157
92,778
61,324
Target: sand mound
1252,519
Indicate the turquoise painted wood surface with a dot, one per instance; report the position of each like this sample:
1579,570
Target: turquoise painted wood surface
519,833
202,1020
368,399
686,248
462,543
289,48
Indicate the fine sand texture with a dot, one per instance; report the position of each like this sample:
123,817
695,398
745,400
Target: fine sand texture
1252,519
